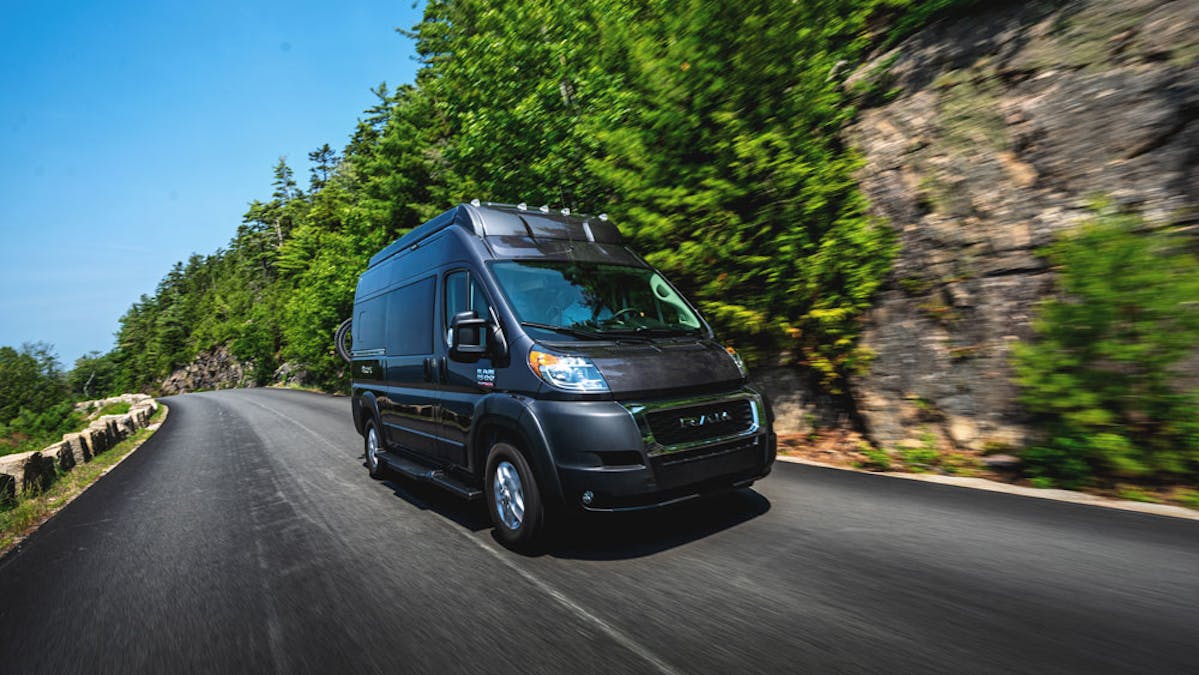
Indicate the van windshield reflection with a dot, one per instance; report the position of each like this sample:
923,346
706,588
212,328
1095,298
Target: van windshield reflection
594,300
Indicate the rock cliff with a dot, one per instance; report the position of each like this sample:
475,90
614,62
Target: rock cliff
213,369
984,136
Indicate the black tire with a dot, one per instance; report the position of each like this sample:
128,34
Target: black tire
505,460
374,465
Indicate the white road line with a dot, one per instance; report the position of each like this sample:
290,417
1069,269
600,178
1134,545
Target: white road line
611,631
292,420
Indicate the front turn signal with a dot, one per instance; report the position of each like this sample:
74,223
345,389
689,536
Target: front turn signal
571,373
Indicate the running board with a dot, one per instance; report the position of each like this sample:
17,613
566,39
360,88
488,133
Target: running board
413,469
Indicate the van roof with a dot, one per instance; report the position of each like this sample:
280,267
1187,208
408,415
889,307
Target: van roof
488,219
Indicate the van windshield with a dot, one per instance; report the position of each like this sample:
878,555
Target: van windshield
593,299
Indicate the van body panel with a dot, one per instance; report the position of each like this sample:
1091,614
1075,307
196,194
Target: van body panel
507,416
407,404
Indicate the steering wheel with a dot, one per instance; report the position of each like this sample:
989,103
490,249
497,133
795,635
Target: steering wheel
617,315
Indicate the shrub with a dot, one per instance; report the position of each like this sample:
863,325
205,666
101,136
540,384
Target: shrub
958,464
877,459
920,459
1100,376
1136,494
31,430
1059,462
116,408
1187,497
923,457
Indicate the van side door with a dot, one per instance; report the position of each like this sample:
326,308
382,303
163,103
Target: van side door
410,395
463,383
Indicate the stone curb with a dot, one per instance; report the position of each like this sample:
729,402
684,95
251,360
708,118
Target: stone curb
1070,496
25,535
32,472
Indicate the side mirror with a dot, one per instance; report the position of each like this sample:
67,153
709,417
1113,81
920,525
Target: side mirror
468,337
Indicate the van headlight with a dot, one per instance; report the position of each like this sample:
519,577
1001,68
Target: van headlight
572,373
737,360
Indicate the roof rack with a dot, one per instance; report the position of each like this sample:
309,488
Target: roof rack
490,219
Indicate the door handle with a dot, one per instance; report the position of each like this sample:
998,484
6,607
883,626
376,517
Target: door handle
428,369
443,368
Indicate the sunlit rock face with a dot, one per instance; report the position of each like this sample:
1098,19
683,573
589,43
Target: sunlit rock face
984,136
212,369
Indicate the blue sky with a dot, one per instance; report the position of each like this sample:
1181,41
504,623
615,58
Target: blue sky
135,133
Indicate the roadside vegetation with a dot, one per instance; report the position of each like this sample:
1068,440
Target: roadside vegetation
37,399
36,403
709,131
30,511
1102,376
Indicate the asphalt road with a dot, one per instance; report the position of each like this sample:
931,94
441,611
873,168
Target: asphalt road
245,536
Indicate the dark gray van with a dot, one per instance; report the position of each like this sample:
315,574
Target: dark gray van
529,358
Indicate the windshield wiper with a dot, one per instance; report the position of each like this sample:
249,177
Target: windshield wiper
611,336
662,331
565,330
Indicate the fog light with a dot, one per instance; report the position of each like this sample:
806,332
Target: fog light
588,496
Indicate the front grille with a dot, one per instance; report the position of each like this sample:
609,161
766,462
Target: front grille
701,422
705,452
727,460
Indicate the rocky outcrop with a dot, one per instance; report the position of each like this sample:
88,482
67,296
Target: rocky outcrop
800,405
213,369
291,374
996,131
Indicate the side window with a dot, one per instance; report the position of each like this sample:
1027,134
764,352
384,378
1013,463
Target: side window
462,293
369,319
410,319
455,295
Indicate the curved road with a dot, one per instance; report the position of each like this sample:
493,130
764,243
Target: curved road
245,536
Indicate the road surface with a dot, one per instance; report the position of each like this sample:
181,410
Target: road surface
246,536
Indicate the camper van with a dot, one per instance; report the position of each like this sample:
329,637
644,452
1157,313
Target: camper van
528,358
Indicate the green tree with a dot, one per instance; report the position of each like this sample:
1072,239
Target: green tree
30,379
95,375
324,161
710,132
1101,376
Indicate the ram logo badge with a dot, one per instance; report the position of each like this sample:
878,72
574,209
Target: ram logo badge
485,377
708,418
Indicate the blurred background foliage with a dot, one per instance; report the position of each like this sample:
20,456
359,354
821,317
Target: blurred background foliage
1102,374
709,131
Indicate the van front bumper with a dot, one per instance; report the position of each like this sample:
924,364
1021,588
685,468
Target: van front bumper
608,459
656,484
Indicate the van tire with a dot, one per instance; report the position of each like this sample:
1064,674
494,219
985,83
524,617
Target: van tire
505,495
374,464
340,340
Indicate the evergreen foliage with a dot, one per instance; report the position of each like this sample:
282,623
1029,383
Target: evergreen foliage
1101,373
35,406
708,130
30,379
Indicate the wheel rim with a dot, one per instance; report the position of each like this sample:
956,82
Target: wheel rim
372,449
509,495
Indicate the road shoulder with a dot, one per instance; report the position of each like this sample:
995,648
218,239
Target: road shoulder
1058,495
18,523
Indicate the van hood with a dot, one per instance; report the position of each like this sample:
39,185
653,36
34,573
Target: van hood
662,365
